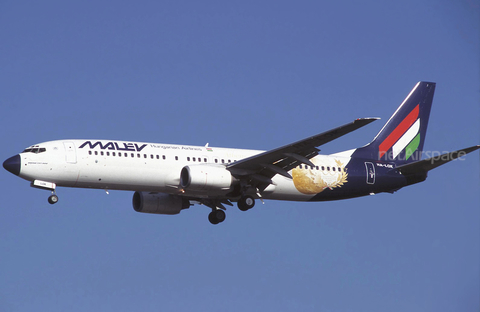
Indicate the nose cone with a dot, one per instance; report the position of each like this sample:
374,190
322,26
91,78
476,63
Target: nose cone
12,164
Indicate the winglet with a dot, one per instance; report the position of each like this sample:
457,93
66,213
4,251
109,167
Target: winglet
369,118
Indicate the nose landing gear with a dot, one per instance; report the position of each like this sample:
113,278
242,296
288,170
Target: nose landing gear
44,185
53,199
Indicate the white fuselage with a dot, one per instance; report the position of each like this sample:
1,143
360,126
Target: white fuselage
146,167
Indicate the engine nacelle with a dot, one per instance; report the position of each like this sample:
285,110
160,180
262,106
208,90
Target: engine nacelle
159,203
206,177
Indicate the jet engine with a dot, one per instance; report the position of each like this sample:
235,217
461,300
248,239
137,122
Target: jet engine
206,177
159,203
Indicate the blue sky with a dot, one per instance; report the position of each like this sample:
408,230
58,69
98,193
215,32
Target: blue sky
244,74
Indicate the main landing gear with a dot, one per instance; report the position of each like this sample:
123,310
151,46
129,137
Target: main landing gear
216,216
245,203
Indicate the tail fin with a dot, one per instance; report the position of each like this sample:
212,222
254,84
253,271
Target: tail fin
401,139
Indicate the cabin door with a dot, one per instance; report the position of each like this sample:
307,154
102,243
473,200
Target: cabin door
70,153
370,173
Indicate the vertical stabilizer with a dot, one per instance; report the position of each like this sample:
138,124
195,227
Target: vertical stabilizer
401,139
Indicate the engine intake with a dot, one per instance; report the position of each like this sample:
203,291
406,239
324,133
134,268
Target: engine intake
159,203
206,177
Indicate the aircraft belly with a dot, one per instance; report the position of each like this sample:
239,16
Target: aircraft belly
122,178
62,175
285,190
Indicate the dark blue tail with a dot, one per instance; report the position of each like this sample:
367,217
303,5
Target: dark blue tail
401,139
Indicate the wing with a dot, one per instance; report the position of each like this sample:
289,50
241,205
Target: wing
257,171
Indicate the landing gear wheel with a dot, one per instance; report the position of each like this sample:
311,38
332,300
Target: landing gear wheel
53,199
245,203
216,216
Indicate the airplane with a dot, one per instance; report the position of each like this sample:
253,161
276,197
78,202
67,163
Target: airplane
168,178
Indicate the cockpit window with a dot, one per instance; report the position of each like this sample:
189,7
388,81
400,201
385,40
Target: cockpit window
35,150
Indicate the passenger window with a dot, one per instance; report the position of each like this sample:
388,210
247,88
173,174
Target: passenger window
333,168
89,152
144,155
164,157
126,155
188,158
328,168
113,153
216,161
193,158
204,160
176,157
108,153
323,168
316,167
96,153
138,156
151,156
133,155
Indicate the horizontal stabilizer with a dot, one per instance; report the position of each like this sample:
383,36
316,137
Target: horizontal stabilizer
423,166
